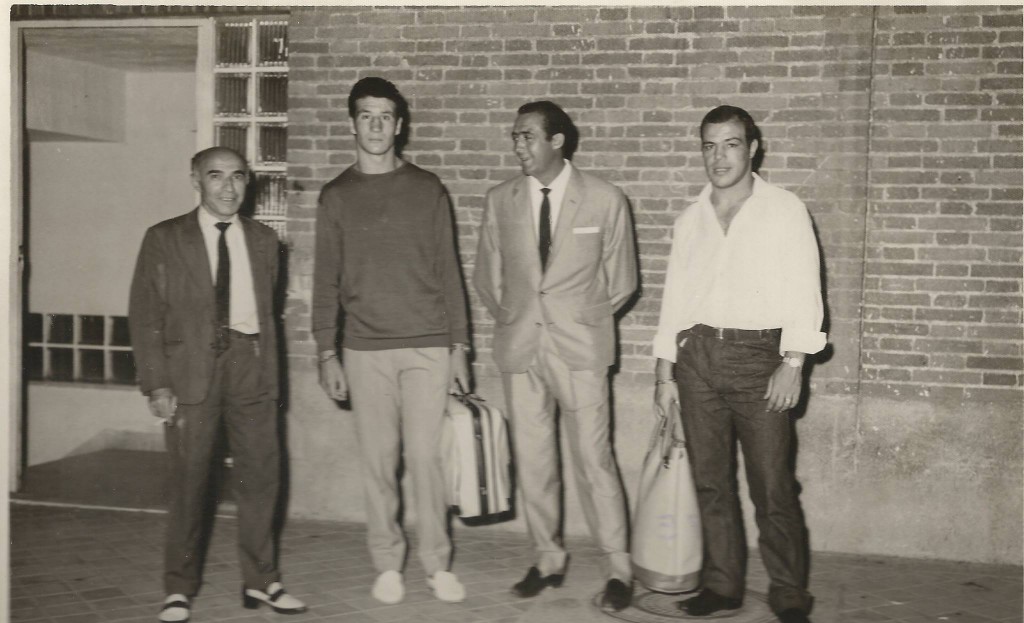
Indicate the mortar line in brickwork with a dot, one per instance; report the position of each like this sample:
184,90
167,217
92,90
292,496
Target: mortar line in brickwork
859,402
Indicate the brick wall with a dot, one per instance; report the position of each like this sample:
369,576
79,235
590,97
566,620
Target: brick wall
900,129
934,106
637,81
942,298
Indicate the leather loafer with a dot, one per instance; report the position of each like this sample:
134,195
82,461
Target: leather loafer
275,597
709,602
793,615
617,595
534,583
176,609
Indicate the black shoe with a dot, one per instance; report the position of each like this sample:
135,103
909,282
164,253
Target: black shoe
617,595
534,583
793,615
709,602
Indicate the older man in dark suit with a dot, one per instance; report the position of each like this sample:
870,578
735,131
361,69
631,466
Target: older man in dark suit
202,327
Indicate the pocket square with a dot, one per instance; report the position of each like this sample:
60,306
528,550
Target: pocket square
586,230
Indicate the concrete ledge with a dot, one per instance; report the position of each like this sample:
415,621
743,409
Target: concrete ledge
908,477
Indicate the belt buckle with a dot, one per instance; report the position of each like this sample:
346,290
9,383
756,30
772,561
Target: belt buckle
719,333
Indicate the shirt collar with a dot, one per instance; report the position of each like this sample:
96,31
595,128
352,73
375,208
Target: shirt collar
557,185
759,184
208,221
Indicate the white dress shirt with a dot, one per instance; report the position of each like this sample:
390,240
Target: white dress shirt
244,318
557,187
762,274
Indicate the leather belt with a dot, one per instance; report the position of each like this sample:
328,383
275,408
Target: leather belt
734,335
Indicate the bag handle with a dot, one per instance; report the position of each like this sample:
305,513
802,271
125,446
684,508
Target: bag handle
462,395
670,434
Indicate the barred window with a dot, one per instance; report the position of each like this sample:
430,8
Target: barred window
80,348
251,106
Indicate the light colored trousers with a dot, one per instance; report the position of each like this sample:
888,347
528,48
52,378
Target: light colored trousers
582,396
399,397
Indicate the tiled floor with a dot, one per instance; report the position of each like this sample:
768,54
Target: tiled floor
75,565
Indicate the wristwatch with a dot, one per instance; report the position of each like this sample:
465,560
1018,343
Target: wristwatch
793,362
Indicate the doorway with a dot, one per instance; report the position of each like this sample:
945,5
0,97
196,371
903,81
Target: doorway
112,113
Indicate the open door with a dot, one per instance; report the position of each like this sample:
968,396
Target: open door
111,113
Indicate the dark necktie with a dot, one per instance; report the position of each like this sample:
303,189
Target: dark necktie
223,288
545,228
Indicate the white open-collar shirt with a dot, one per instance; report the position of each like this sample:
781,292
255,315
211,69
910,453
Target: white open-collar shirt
244,317
763,274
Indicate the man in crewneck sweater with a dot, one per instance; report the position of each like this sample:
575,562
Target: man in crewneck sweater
385,255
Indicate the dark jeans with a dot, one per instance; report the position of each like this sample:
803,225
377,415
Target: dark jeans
722,383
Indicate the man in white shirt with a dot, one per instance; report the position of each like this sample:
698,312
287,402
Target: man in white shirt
741,310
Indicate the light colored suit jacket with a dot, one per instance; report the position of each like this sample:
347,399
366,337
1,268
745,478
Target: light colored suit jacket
172,311
591,273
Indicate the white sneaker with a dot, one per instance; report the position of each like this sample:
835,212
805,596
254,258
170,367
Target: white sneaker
389,588
447,587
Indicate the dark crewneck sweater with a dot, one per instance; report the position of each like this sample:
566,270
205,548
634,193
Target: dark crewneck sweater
385,254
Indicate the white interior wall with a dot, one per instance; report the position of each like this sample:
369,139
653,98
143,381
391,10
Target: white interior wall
90,203
73,97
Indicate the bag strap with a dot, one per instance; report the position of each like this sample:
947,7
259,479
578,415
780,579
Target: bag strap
669,434
462,396
666,440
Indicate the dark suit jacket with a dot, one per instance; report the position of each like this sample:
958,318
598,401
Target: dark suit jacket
591,273
171,311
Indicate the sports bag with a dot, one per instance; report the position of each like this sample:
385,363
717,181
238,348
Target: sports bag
667,544
475,451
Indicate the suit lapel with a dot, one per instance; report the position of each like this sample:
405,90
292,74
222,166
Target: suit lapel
257,259
522,212
194,254
567,214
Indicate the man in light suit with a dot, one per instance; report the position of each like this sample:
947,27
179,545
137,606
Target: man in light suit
555,261
202,328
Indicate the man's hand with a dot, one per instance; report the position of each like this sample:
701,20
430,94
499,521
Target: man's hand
163,404
666,399
666,392
332,378
460,380
784,386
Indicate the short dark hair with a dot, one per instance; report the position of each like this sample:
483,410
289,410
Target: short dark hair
201,156
725,113
373,86
556,121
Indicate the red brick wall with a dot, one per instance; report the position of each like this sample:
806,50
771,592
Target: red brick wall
900,129
942,293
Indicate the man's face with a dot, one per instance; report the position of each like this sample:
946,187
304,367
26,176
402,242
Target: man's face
539,156
727,156
221,178
375,125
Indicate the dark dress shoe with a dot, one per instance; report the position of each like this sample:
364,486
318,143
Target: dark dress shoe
534,583
617,595
709,602
793,615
